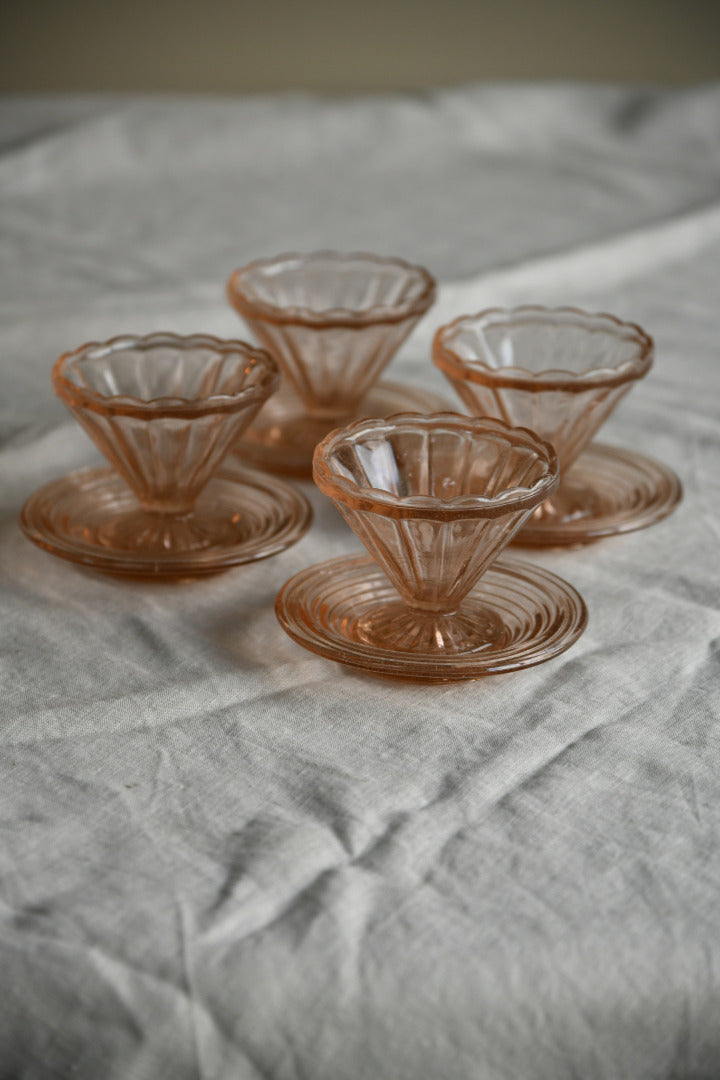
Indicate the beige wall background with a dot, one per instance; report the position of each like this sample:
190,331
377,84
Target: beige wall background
337,46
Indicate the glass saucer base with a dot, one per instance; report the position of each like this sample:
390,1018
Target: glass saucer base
529,614
283,437
92,517
608,490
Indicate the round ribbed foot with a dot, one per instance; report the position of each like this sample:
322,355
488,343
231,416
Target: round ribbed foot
282,438
396,627
608,490
347,610
91,517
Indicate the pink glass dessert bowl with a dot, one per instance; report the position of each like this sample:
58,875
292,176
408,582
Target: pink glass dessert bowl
434,499
164,410
333,322
561,372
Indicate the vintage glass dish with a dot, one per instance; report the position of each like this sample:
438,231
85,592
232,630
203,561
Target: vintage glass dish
333,322
561,372
434,499
165,410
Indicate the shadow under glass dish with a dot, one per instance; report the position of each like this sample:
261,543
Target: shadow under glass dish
434,499
561,372
333,322
165,411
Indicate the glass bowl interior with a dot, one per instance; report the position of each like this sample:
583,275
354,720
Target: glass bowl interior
165,371
331,287
532,346
436,466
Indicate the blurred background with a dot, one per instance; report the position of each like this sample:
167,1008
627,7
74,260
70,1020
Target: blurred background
334,46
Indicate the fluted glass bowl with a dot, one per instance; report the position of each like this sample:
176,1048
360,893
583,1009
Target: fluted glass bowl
434,499
165,410
333,322
558,371
561,372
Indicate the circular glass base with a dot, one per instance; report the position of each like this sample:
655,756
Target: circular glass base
608,490
92,517
347,610
282,438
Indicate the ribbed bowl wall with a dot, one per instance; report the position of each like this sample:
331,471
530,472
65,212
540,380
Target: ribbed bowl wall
331,368
433,564
168,461
566,420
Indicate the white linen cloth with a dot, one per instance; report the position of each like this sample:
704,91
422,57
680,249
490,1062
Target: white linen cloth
225,858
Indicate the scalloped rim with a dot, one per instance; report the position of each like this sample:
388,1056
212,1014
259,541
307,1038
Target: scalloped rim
345,491
253,308
457,367
126,405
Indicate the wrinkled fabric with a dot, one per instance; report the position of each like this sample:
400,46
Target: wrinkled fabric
225,858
